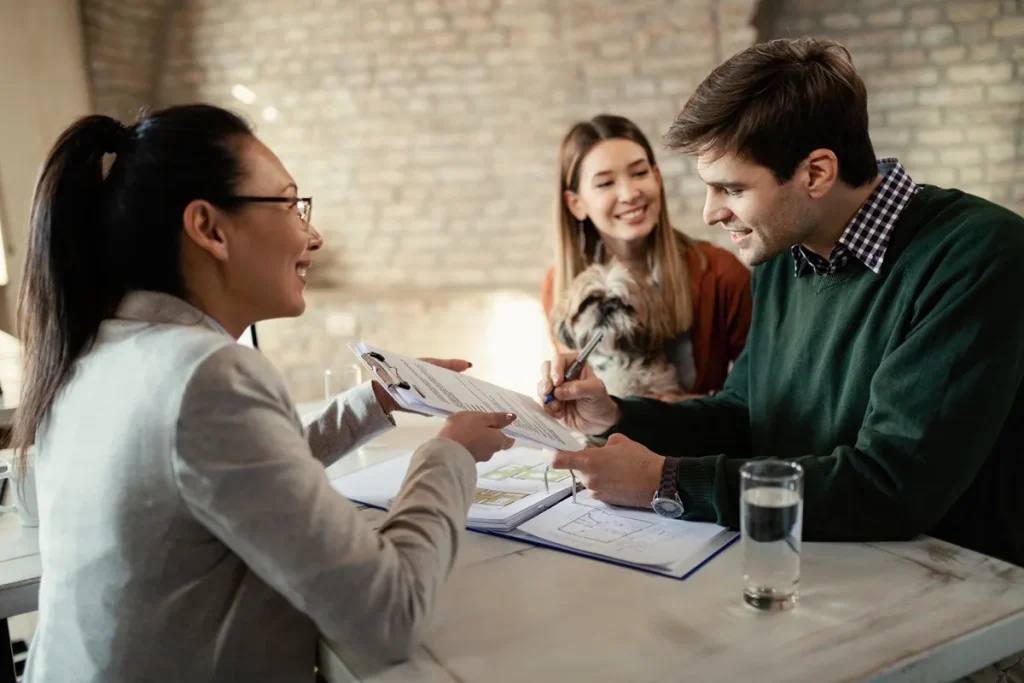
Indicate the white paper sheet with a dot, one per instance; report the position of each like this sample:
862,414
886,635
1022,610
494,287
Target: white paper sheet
510,487
637,537
438,391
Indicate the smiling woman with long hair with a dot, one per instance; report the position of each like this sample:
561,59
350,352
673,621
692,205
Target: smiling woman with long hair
188,531
612,207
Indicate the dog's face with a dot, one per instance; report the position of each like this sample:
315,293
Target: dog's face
607,297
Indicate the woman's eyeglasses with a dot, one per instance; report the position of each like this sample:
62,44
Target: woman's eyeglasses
304,205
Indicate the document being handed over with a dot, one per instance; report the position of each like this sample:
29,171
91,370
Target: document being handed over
421,387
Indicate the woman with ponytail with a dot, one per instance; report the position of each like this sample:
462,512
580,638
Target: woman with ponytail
187,529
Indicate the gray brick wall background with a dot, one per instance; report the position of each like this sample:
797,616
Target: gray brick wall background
427,131
124,41
945,83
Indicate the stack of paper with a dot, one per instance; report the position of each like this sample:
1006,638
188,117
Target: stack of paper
425,388
510,487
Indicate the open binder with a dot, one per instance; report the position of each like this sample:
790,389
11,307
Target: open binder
513,500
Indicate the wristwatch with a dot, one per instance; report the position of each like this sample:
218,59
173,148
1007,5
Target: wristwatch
667,502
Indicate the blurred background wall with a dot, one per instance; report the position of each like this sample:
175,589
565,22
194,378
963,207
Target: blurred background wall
427,131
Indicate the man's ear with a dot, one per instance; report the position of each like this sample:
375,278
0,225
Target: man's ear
575,205
822,172
203,225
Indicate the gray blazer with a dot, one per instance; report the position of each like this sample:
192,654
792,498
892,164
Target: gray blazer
188,531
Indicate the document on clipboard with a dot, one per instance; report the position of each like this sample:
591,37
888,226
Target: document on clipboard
421,387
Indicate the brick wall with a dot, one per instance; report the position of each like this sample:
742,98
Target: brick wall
124,42
945,83
427,130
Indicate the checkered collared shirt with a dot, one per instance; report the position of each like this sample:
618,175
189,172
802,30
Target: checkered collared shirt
867,235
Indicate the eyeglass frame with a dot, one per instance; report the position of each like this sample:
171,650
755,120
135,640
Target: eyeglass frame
242,198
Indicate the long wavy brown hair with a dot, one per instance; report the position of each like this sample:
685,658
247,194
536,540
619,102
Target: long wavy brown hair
576,247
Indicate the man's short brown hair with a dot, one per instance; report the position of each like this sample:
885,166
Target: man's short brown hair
777,101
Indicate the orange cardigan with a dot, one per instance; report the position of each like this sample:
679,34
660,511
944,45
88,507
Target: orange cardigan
721,312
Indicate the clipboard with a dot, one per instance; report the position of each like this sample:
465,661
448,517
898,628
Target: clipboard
387,374
426,389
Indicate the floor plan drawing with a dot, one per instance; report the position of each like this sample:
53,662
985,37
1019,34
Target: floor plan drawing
603,527
525,473
498,499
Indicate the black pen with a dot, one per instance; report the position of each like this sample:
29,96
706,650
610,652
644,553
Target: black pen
578,364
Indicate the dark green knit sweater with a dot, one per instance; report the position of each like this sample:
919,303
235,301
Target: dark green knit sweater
899,393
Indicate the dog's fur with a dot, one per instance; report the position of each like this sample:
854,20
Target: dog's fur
631,359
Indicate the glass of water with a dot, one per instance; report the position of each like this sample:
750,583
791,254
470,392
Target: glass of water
771,522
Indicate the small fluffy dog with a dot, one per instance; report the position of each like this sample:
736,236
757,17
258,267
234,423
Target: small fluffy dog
631,358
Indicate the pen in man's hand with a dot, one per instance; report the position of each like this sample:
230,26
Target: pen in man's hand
578,364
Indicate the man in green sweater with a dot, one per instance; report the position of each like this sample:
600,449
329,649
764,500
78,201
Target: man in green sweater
886,350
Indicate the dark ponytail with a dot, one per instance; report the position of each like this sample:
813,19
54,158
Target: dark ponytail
97,235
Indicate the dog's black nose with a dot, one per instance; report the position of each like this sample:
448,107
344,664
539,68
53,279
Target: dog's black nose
609,306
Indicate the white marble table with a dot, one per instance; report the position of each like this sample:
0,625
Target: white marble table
911,612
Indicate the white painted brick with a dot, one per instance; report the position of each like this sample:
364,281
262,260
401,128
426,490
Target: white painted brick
1008,27
943,177
615,48
949,55
980,73
1001,173
937,35
677,86
640,88
889,138
991,134
919,157
1000,152
903,77
971,174
889,17
940,136
434,24
869,60
972,34
951,95
915,117
960,156
961,12
890,99
924,16
1011,92
846,21
880,39
985,52
915,57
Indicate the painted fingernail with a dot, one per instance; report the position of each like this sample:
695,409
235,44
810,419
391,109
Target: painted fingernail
510,416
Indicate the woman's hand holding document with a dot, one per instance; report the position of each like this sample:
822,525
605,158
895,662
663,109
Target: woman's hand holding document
421,387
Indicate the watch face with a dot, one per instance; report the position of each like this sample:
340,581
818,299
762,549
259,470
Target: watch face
666,507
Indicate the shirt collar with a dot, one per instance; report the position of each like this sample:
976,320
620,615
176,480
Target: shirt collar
867,236
157,307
